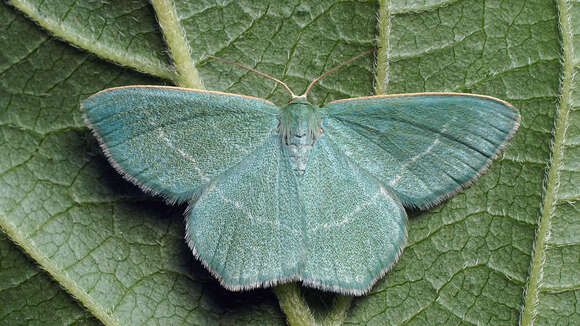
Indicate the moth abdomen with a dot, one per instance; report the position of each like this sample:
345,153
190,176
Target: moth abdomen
298,152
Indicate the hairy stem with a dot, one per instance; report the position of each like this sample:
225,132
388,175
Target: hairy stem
553,176
339,309
187,74
294,305
384,51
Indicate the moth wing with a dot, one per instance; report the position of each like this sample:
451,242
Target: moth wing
355,228
246,226
171,140
425,146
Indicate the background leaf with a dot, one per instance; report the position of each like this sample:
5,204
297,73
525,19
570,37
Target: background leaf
554,280
122,254
31,297
124,32
293,41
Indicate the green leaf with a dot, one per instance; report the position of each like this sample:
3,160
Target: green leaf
31,297
124,32
292,41
507,244
553,287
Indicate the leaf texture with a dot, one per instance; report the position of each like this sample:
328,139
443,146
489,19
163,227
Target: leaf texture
124,32
121,254
554,281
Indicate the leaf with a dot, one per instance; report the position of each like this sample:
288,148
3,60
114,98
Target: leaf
122,254
295,42
33,297
124,32
553,287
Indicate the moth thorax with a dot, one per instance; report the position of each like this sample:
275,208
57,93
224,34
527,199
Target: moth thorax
298,129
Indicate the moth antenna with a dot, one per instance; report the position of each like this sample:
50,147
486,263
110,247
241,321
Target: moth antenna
256,71
335,69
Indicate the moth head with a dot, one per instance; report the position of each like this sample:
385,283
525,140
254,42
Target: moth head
299,119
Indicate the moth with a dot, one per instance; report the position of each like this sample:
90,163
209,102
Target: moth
298,192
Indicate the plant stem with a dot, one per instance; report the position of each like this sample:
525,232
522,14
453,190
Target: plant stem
339,308
533,286
384,51
293,305
187,74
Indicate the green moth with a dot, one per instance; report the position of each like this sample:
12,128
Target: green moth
299,192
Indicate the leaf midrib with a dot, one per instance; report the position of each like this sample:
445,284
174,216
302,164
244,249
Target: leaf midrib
384,47
552,181
187,74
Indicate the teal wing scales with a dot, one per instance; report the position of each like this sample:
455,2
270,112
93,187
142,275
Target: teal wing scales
246,226
426,146
355,228
171,140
